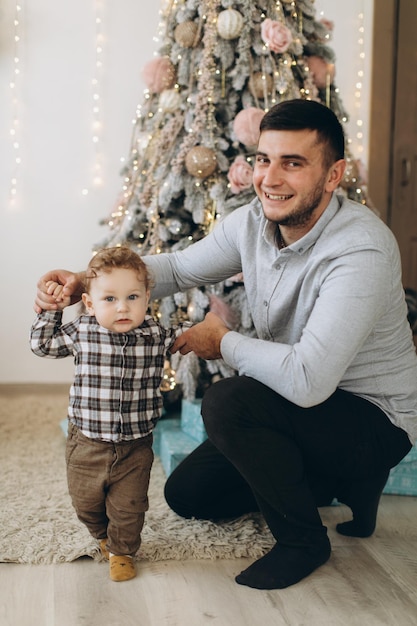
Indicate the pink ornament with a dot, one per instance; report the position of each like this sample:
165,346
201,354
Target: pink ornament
321,71
159,74
276,35
240,175
246,125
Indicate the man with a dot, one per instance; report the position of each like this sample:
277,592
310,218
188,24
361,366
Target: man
326,398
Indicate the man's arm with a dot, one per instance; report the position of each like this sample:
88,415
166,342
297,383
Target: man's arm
214,258
211,260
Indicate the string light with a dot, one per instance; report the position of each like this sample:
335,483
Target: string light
96,84
15,128
359,85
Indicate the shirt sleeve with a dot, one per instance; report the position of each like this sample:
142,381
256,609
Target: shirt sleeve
352,297
49,338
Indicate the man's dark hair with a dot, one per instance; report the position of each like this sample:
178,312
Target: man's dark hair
309,115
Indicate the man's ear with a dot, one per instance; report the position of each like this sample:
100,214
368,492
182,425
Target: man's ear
335,175
88,303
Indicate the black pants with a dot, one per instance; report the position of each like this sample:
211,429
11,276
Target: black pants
267,453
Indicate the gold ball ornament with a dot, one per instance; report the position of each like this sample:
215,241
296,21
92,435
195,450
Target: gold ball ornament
200,162
229,24
261,84
185,34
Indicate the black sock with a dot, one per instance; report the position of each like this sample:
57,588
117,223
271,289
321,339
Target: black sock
284,566
363,498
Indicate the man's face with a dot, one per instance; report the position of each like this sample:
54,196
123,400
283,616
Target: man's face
290,178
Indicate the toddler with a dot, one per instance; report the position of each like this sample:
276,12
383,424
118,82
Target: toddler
115,399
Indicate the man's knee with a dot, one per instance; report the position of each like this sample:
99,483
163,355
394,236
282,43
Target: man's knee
217,401
225,402
184,497
176,499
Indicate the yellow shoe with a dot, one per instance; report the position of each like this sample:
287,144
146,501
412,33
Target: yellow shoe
103,548
121,568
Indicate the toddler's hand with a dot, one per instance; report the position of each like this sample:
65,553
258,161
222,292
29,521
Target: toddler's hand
55,290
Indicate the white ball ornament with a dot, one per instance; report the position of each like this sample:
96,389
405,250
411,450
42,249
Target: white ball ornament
229,24
169,100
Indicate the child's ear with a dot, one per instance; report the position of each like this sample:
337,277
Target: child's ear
88,303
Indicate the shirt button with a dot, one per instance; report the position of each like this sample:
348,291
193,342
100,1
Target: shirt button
265,303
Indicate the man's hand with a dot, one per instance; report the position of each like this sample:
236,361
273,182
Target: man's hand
204,338
72,288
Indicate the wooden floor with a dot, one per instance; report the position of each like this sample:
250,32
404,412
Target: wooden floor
367,582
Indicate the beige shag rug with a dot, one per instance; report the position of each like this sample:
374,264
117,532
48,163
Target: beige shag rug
38,524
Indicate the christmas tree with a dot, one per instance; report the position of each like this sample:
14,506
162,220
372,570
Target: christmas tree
221,64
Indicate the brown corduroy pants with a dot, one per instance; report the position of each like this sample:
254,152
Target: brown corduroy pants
108,484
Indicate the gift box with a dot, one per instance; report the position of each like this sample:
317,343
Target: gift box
191,420
402,480
175,445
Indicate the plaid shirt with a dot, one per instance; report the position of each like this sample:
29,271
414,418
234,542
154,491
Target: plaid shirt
116,393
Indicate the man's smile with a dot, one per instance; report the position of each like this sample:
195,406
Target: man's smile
270,196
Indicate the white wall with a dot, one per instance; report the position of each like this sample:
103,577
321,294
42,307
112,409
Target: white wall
52,224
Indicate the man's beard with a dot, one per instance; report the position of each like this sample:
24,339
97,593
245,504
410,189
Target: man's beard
304,212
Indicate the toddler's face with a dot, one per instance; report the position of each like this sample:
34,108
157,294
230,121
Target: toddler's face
118,299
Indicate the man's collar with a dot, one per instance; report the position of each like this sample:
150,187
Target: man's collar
310,238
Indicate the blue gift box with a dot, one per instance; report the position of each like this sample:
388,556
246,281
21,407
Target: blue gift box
175,445
164,425
191,420
402,480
